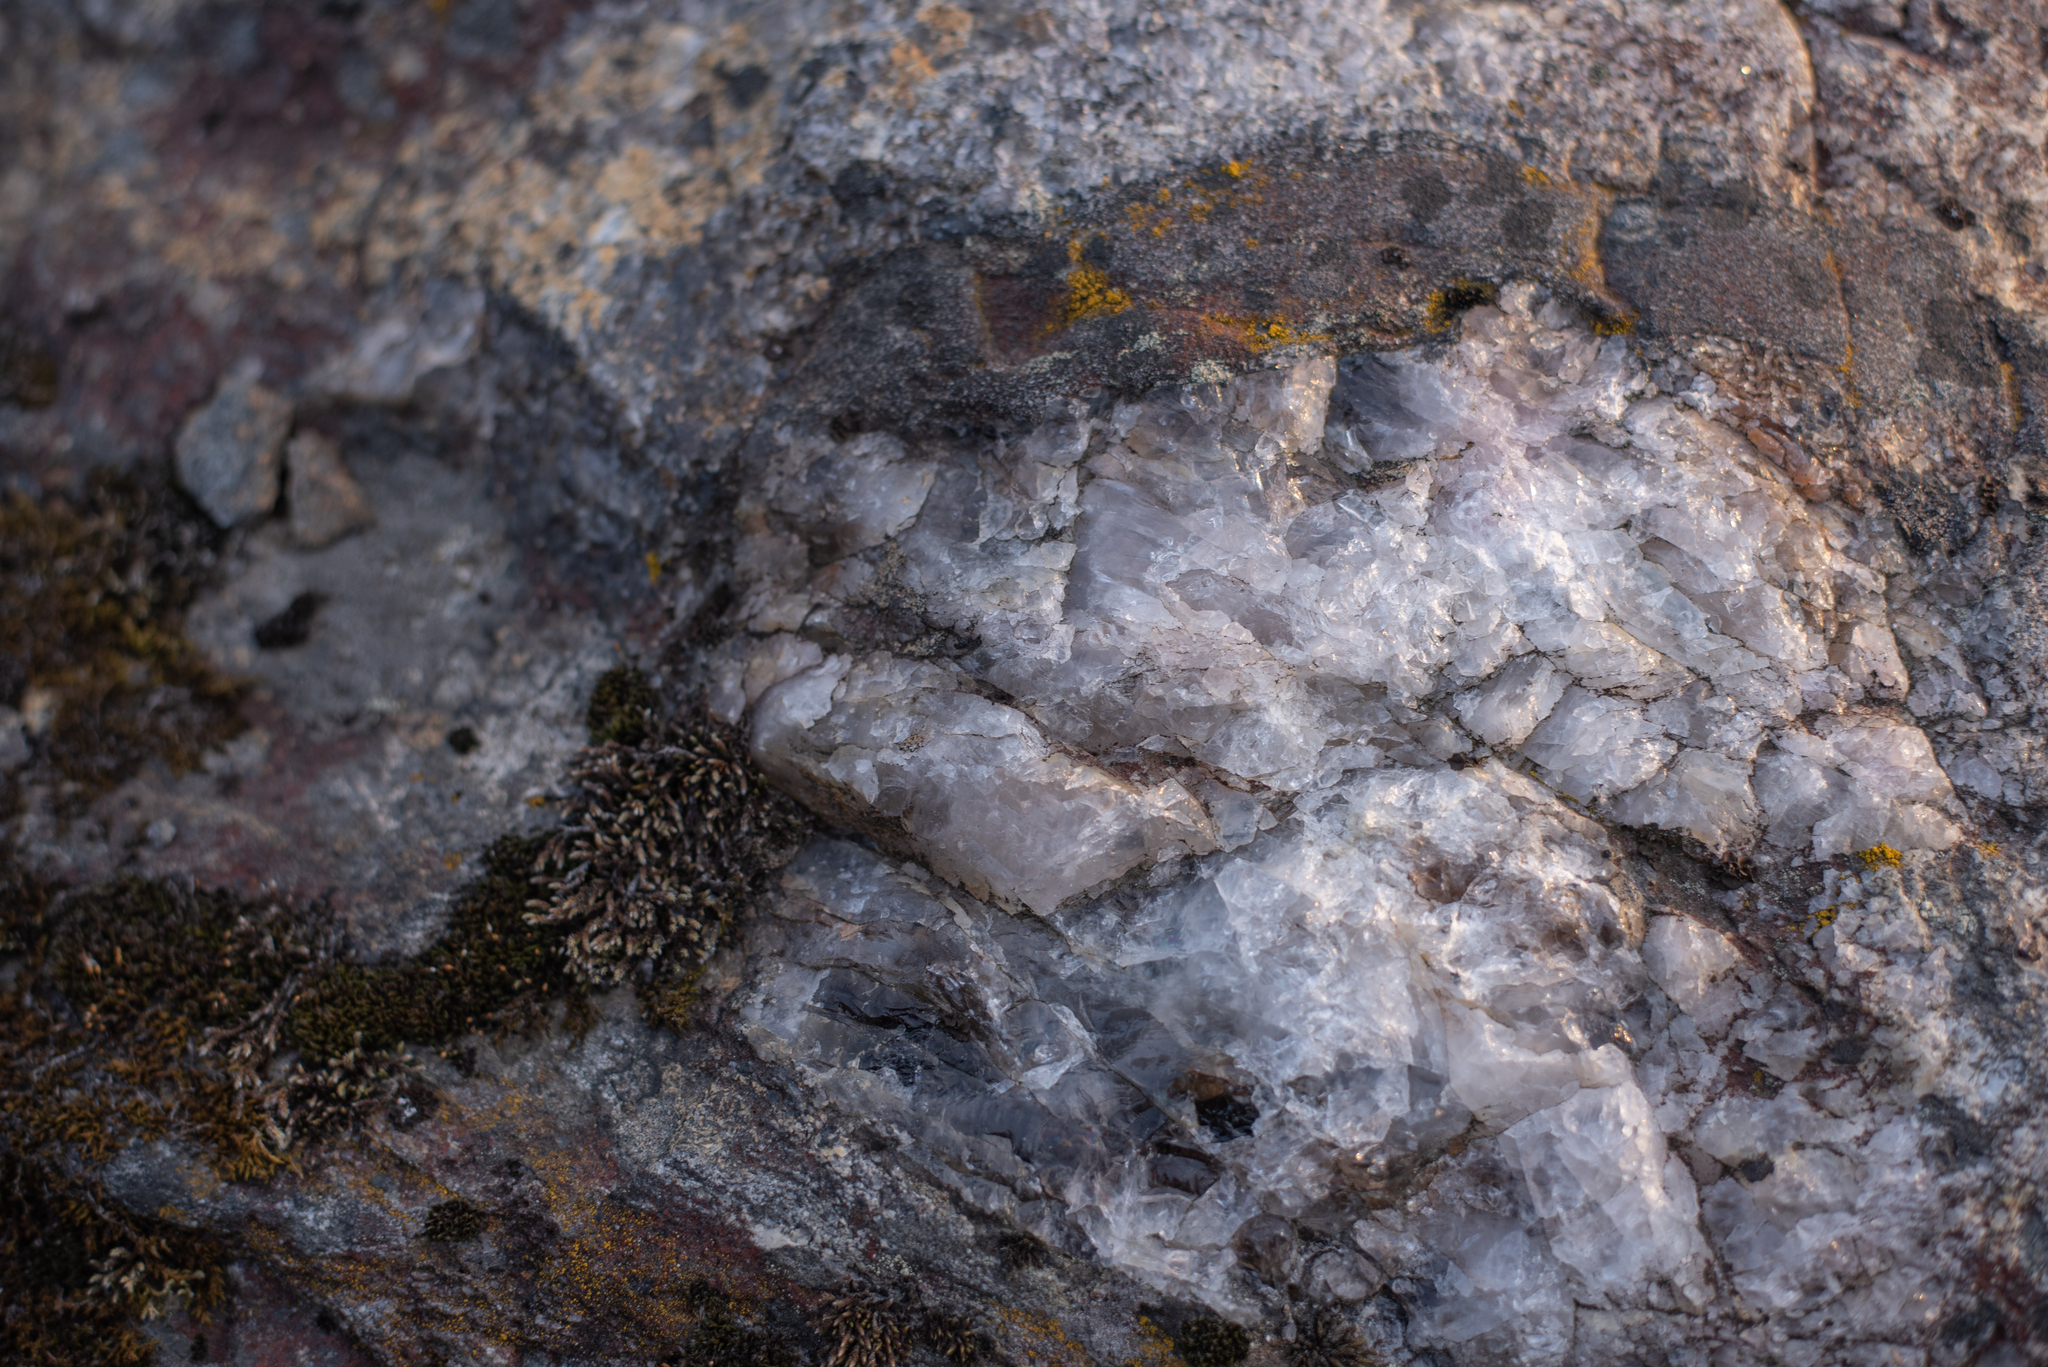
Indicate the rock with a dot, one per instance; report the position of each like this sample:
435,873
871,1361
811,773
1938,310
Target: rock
14,734
228,451
1417,632
412,339
326,503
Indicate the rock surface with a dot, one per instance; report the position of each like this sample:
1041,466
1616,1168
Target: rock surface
326,502
229,452
1416,633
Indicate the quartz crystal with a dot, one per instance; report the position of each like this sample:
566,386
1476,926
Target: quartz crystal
1252,769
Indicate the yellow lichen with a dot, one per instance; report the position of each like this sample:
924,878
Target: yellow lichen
1263,334
1880,857
1089,293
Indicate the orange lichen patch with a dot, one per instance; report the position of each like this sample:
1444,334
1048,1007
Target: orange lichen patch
1880,857
1197,198
1089,293
1265,334
1038,1341
911,68
1154,1347
949,26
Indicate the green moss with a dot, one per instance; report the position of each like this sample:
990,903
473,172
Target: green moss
1208,1342
92,600
489,970
622,707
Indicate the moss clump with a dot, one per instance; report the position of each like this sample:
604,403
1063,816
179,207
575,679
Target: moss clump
722,1338
454,1222
92,599
340,1095
622,707
489,970
1446,305
1324,1338
664,844
1206,1342
952,1336
139,1011
180,993
867,1329
721,1341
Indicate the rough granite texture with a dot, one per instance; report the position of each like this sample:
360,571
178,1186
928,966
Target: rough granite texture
1416,630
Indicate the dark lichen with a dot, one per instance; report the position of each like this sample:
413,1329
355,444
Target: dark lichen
664,844
28,374
1205,1342
92,599
454,1222
622,707
1019,1249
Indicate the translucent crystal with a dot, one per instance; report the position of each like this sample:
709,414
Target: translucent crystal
1245,770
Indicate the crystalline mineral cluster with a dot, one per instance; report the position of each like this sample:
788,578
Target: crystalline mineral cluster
1333,683
1263,928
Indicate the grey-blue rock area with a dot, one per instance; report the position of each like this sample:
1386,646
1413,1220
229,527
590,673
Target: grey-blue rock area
1411,638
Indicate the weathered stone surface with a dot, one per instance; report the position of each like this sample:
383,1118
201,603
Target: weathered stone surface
229,452
1354,580
326,502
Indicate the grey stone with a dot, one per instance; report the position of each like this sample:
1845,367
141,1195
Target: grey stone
228,450
840,319
326,502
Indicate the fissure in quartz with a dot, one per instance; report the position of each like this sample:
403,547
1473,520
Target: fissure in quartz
1247,755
